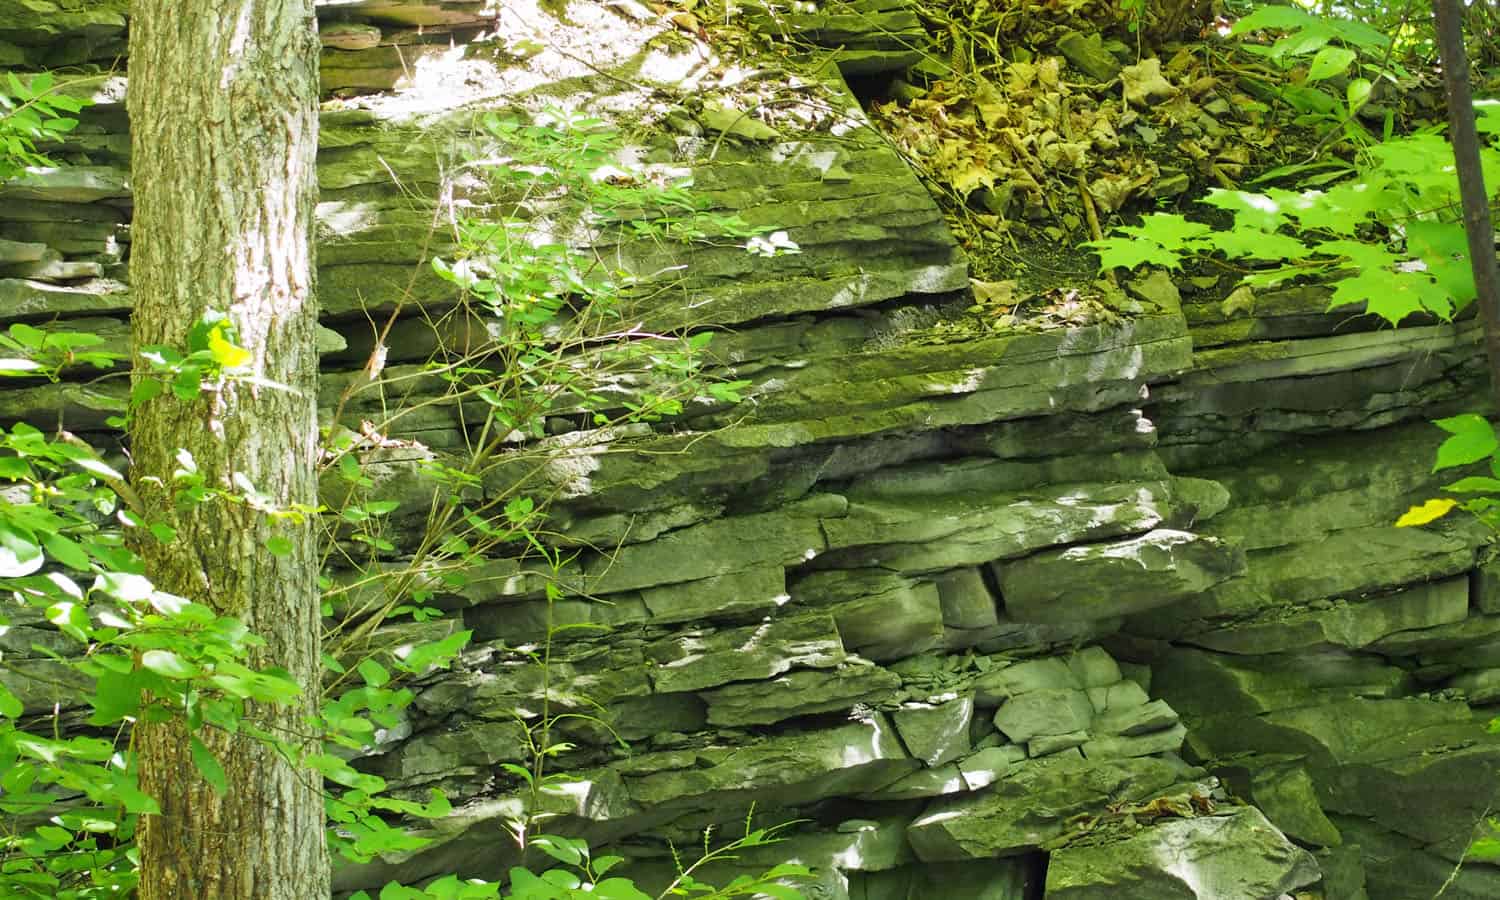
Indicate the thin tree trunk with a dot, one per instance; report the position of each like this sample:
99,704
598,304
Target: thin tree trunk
1476,204
223,108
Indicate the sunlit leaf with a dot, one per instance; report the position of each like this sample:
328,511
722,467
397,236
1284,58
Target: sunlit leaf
1430,511
1131,252
225,353
20,553
19,366
168,664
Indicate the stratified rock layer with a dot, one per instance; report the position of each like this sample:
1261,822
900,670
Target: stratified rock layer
1030,600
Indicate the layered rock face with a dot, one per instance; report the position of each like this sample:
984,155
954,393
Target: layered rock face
1112,610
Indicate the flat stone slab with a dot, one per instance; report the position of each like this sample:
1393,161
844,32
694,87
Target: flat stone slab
1033,804
68,184
1232,856
691,662
799,693
1097,581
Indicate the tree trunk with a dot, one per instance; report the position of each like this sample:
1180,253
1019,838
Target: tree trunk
223,107
1472,192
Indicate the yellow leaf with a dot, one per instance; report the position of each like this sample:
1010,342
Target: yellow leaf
225,353
971,177
1430,511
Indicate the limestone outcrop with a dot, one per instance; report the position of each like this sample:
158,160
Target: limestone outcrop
1114,609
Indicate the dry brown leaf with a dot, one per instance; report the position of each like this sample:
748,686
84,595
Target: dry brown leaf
1049,73
970,178
1144,81
1180,110
993,293
1019,76
993,109
1111,191
1240,301
1066,155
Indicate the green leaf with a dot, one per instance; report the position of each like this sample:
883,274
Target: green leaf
1170,230
20,554
1487,848
115,697
525,885
1358,92
569,851
1342,209
19,366
124,586
66,552
1474,484
10,705
1281,18
518,509
1248,243
1473,439
373,673
208,766
1444,248
520,772
779,891
279,546
1297,169
1330,61
1359,254
1392,295
349,467
420,657
1251,210
1487,116
1117,252
1272,277
168,664
95,467
187,384
621,889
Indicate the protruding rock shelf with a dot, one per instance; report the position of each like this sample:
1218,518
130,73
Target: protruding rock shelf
1112,611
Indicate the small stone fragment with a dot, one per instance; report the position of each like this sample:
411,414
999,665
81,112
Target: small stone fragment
1047,712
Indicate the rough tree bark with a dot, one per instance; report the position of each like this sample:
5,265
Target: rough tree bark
223,107
1474,195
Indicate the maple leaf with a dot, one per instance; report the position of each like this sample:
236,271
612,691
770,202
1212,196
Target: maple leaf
1170,230
1444,248
1358,254
1252,243
1131,252
1250,209
1342,208
1392,295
